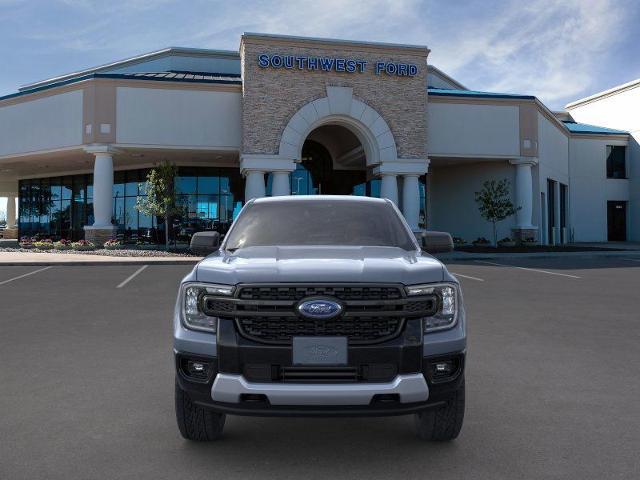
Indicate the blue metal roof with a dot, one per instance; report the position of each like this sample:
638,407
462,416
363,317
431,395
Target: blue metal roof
188,77
575,127
445,92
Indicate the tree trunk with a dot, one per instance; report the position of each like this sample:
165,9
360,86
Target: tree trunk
166,232
495,235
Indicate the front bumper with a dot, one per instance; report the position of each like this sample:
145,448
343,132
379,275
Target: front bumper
233,388
243,379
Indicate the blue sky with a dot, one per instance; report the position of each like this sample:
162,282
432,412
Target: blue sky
557,50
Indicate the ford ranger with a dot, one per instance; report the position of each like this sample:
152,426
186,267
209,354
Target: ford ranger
319,305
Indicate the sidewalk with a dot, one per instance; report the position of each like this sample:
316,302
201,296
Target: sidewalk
38,259
445,257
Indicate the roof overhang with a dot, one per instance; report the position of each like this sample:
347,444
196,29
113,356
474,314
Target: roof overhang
606,93
145,57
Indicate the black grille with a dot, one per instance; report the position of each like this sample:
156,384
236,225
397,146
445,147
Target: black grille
371,313
356,329
295,292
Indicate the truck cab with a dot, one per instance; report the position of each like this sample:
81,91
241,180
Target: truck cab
319,306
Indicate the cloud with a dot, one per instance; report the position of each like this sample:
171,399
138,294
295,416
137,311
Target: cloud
547,48
557,50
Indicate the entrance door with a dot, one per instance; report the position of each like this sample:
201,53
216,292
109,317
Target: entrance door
617,221
551,211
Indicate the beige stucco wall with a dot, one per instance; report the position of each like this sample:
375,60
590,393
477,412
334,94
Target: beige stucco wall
50,122
460,129
272,96
178,117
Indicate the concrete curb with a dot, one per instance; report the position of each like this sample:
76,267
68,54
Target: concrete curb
94,263
497,256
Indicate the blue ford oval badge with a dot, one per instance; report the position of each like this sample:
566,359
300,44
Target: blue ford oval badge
319,308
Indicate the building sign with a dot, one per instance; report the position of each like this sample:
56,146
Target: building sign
334,64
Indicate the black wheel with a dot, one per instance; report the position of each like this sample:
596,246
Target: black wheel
444,423
197,423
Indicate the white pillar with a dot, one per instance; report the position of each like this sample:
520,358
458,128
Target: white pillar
411,200
524,193
103,190
254,185
11,212
280,184
389,187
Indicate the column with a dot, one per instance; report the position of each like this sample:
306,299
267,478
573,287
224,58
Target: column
254,185
11,212
102,228
389,187
281,184
103,190
411,200
524,197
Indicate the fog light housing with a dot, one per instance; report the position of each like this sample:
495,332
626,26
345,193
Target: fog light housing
196,369
443,369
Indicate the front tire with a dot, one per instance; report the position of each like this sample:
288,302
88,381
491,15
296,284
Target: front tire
444,423
195,422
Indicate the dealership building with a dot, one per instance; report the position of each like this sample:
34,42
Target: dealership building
296,116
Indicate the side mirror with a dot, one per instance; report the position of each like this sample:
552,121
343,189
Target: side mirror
205,243
436,242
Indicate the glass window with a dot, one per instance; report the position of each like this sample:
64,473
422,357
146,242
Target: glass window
119,213
67,189
118,184
208,185
90,186
131,214
65,219
62,206
315,222
55,185
79,188
186,185
131,185
616,164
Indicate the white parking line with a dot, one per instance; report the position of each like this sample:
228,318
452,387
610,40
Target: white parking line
467,276
25,275
132,276
529,269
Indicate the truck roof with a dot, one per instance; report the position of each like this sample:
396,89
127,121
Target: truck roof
333,198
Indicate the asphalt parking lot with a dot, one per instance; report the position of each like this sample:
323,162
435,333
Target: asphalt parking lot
553,382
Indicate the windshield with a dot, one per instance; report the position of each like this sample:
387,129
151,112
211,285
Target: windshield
319,222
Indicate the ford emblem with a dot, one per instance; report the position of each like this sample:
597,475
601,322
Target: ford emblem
319,308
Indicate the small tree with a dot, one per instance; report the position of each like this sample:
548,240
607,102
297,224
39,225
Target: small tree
160,199
494,203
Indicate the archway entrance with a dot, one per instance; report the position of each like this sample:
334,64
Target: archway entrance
333,162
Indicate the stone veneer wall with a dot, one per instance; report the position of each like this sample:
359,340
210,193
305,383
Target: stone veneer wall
272,96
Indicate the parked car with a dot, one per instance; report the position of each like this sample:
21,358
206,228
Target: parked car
320,306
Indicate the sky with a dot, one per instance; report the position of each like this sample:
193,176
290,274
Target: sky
557,50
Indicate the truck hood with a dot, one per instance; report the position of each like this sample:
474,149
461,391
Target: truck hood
319,264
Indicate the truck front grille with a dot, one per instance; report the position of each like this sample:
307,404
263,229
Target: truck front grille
372,313
283,329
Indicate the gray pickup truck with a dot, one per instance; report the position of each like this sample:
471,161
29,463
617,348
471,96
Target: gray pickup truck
320,306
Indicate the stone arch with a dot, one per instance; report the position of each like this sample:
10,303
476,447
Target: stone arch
339,107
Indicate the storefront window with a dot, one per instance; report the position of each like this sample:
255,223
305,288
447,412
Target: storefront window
59,207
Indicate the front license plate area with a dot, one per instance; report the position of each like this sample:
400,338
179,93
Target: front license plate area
320,351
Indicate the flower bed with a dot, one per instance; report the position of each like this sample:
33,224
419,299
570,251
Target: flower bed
62,245
113,244
83,245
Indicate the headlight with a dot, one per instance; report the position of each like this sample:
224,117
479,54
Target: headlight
447,313
192,295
